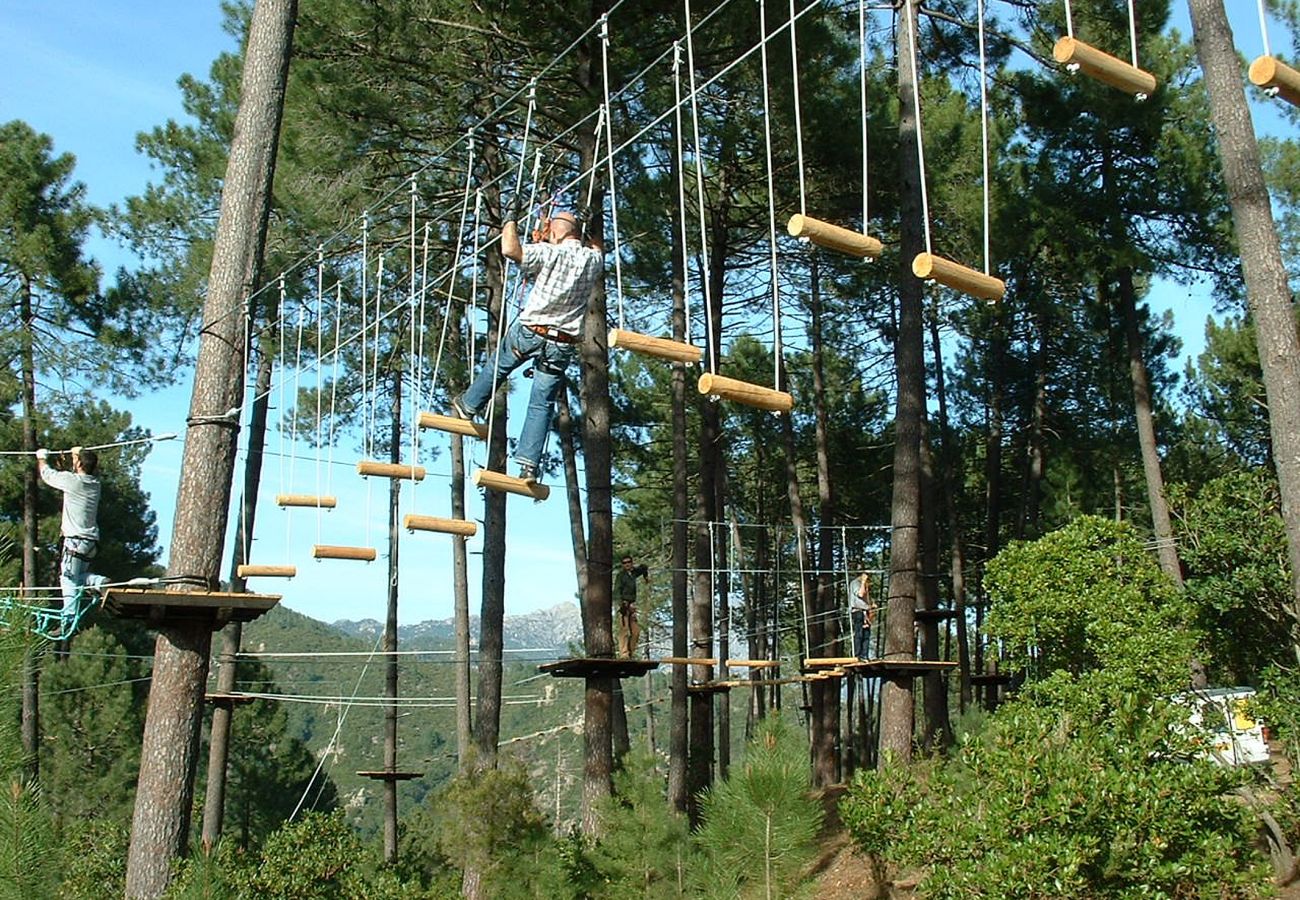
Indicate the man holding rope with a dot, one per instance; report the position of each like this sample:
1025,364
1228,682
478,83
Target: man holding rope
80,526
565,275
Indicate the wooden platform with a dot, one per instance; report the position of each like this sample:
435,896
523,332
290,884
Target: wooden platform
894,668
598,667
390,775
934,615
709,687
992,678
160,607
226,698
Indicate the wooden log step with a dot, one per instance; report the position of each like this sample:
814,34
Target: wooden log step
746,393
462,527
689,661
1274,75
369,467
958,277
332,551
309,500
453,425
498,481
833,237
1101,66
249,570
662,348
754,663
821,662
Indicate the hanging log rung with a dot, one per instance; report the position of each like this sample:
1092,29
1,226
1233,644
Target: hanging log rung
249,570
310,500
498,481
1103,67
833,237
662,348
689,661
453,425
746,393
1274,75
390,470
754,663
461,527
332,551
958,277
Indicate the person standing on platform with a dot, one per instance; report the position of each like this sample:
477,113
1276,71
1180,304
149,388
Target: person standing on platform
80,525
565,275
861,614
629,626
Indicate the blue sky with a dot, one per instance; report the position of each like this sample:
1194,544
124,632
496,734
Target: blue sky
94,73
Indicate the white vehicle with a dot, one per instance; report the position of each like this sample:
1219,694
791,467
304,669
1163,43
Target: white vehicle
1226,731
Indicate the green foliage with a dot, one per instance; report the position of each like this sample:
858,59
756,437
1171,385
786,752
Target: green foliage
94,858
1232,542
487,823
644,849
1049,804
1085,597
760,825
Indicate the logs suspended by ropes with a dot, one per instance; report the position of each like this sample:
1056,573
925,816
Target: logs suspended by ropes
498,481
249,570
1101,66
453,425
928,266
308,500
1276,77
833,237
331,551
461,527
746,393
662,348
390,470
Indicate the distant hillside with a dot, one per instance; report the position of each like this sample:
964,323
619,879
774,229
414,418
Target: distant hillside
552,630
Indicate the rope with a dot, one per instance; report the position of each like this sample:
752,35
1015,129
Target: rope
910,11
365,329
798,117
681,182
1263,28
320,327
609,158
416,361
711,338
334,387
771,193
984,131
1069,21
862,89
169,436
297,373
1132,33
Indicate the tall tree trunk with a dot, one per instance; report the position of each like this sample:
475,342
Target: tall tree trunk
1166,549
460,574
169,755
896,693
936,731
573,494
722,559
829,611
219,733
31,727
679,731
390,626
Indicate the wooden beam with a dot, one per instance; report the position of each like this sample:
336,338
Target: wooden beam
369,467
462,527
653,346
330,551
833,237
1274,75
689,661
305,500
248,570
754,663
814,662
958,277
1103,67
454,425
746,393
499,481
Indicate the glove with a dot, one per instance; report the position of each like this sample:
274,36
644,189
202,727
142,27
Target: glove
42,453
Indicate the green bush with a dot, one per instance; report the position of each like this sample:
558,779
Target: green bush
645,848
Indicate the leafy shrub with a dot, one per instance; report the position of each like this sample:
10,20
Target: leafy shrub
645,847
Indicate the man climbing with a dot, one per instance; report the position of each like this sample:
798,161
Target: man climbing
80,524
861,614
565,274
629,627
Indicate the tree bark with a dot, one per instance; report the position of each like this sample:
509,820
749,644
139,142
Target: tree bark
460,577
390,624
679,732
169,754
30,722
896,712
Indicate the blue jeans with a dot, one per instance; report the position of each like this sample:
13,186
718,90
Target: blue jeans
552,358
861,633
74,570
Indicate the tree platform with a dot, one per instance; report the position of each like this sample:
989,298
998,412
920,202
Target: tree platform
390,775
226,698
895,668
160,607
709,687
598,667
934,615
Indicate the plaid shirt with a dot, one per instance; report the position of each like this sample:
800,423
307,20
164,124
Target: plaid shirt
565,276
